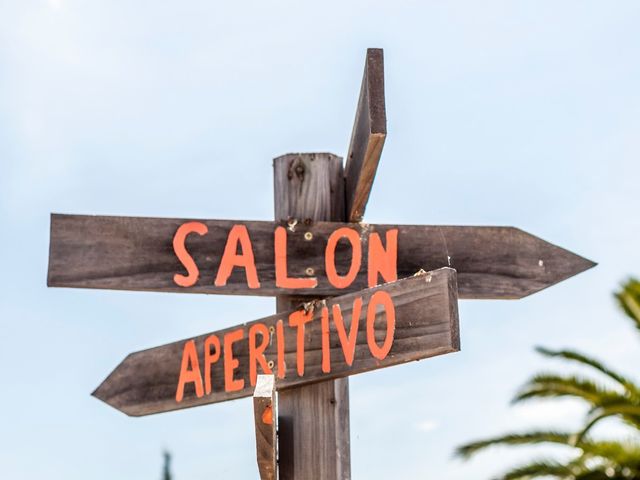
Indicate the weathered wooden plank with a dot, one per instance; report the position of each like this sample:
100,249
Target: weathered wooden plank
128,253
421,322
314,419
265,413
367,137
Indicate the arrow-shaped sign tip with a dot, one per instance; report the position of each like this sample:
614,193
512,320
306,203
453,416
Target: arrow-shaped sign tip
116,399
555,263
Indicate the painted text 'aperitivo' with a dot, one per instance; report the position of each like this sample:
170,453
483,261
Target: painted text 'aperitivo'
197,360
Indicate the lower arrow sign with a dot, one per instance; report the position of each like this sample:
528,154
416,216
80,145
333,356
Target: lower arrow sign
398,322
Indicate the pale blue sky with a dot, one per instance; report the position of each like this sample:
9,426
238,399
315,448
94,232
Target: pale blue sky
523,113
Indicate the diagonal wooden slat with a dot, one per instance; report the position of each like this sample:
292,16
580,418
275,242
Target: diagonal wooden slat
367,137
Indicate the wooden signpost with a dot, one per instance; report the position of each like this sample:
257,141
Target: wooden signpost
351,297
398,322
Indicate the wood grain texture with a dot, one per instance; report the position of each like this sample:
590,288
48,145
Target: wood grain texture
265,413
314,437
129,253
367,137
305,423
426,325
308,186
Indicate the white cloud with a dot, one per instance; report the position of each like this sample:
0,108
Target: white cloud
427,425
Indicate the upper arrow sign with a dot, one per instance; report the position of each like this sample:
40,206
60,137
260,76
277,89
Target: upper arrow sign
299,258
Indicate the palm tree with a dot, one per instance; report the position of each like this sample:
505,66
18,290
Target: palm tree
608,395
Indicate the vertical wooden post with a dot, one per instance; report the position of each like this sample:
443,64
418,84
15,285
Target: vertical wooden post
313,421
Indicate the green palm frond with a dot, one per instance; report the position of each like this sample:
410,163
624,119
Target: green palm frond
599,460
598,474
609,395
616,452
629,299
539,469
628,413
548,385
531,438
578,357
578,469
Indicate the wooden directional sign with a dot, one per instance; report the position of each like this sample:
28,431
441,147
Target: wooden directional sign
398,322
298,258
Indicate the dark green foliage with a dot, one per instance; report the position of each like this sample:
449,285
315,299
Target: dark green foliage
608,394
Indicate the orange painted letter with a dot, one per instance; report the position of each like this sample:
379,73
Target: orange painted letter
209,359
298,319
282,276
256,353
181,252
231,363
334,278
380,298
381,261
326,345
280,339
231,259
348,342
189,375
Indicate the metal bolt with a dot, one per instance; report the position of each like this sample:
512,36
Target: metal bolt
272,329
309,271
270,364
308,236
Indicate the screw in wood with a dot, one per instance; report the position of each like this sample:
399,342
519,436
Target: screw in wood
309,271
308,236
